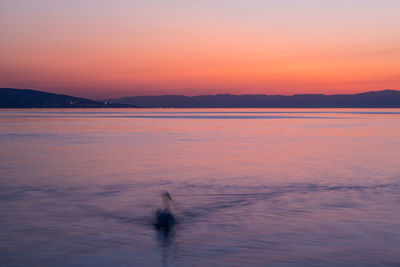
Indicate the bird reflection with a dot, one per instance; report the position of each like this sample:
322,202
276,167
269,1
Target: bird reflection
166,240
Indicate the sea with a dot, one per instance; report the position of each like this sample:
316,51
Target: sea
249,187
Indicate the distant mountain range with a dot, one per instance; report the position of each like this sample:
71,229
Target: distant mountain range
373,99
26,98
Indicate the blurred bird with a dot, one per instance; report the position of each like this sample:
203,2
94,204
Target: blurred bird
164,217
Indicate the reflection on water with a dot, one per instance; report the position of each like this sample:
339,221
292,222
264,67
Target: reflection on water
166,239
253,187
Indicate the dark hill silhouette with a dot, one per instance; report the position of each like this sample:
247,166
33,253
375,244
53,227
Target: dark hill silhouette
26,98
373,99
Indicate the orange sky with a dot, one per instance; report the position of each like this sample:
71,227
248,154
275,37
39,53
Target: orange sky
101,49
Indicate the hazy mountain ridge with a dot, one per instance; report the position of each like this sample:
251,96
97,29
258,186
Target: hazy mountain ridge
371,99
27,98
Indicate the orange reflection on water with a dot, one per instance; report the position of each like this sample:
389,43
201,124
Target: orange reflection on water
238,145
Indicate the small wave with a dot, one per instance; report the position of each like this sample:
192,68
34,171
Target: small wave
224,201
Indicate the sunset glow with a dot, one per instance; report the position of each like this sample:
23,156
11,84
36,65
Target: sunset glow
100,49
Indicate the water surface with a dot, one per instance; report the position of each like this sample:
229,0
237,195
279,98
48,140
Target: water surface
284,187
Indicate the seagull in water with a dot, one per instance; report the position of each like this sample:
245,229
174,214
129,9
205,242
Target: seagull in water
164,217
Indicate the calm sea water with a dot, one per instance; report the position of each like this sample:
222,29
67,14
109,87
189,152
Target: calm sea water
251,187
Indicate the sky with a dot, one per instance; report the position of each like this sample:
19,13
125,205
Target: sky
114,48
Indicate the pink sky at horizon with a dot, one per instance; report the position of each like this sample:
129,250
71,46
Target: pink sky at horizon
108,49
